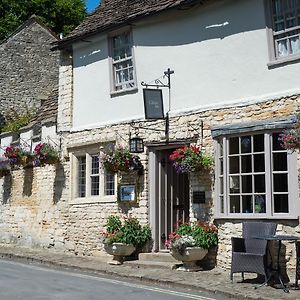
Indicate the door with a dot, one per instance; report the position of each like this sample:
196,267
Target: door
170,192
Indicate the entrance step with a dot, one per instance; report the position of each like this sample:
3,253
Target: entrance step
157,257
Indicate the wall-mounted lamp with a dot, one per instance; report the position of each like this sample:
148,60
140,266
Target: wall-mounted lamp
136,144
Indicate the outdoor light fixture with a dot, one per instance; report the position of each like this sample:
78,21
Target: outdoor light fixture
136,145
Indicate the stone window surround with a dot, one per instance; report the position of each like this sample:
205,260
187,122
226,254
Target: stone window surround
266,126
110,36
88,151
273,60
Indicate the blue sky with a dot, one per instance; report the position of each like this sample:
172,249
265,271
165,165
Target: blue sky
91,4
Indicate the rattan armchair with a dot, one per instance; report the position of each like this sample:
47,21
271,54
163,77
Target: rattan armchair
249,255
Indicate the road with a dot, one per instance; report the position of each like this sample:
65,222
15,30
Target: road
20,281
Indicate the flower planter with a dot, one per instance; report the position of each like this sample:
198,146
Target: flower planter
118,250
189,258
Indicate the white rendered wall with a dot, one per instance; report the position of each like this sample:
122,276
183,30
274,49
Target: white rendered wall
219,54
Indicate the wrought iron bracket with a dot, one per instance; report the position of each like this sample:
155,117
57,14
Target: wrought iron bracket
158,82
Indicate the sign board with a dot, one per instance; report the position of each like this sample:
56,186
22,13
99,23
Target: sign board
127,193
153,102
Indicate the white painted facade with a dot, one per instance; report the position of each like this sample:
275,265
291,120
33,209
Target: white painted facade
219,53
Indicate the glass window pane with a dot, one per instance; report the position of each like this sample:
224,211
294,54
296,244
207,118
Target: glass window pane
109,184
260,204
246,164
281,204
280,182
295,44
81,176
276,142
247,184
279,161
258,143
234,145
221,166
221,182
95,185
234,184
234,166
235,204
221,147
246,144
247,204
95,164
259,162
282,48
259,184
222,204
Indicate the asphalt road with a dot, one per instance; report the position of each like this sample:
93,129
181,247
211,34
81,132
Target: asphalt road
32,282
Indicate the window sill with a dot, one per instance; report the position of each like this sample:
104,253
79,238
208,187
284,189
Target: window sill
92,200
243,217
123,92
284,61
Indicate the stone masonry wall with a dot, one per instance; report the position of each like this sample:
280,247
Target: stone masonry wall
28,68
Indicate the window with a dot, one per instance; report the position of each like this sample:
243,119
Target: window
122,62
255,176
90,181
284,28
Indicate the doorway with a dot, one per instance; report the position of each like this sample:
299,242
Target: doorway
169,196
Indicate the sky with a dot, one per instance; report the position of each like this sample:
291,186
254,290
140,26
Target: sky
91,4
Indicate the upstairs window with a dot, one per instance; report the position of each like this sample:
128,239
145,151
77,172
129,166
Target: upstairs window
255,177
122,62
284,19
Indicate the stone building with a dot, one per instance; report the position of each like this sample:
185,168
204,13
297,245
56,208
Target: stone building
28,69
233,91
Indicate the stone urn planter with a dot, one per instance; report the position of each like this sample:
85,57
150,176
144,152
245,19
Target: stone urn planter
189,258
118,250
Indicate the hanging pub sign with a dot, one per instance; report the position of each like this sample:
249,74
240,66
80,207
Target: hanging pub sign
153,102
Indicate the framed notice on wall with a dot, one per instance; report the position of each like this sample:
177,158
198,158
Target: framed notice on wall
153,102
127,192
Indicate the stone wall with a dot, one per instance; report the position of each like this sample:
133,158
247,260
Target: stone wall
28,68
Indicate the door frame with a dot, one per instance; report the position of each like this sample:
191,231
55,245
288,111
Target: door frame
153,184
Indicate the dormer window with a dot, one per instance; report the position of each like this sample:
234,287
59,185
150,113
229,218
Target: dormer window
122,62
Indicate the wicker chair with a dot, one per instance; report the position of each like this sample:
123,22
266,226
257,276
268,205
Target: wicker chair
250,254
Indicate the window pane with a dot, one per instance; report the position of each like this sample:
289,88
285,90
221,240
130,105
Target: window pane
221,166
246,144
222,204
258,143
281,204
234,145
246,164
247,184
282,48
280,182
234,182
235,204
276,142
221,182
221,147
260,204
280,162
81,176
95,185
234,165
259,184
109,184
95,164
295,44
247,204
259,162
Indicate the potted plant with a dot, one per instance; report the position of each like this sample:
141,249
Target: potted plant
121,238
17,156
121,160
190,159
190,243
45,154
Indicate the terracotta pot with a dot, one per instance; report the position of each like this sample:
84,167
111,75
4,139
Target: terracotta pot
189,258
118,250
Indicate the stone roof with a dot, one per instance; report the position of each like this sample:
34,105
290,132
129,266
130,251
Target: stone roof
112,14
47,112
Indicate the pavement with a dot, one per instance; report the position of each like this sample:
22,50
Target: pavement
213,281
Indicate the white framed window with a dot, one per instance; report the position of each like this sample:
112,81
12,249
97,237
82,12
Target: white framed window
122,60
283,17
256,177
91,183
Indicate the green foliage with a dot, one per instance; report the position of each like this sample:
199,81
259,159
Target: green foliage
59,15
14,121
128,232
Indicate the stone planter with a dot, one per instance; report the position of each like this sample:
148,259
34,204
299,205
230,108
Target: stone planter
189,258
118,250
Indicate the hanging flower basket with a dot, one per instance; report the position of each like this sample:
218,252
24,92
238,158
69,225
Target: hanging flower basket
290,138
16,156
45,154
190,159
121,160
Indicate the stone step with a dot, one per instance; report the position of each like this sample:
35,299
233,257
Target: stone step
163,257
